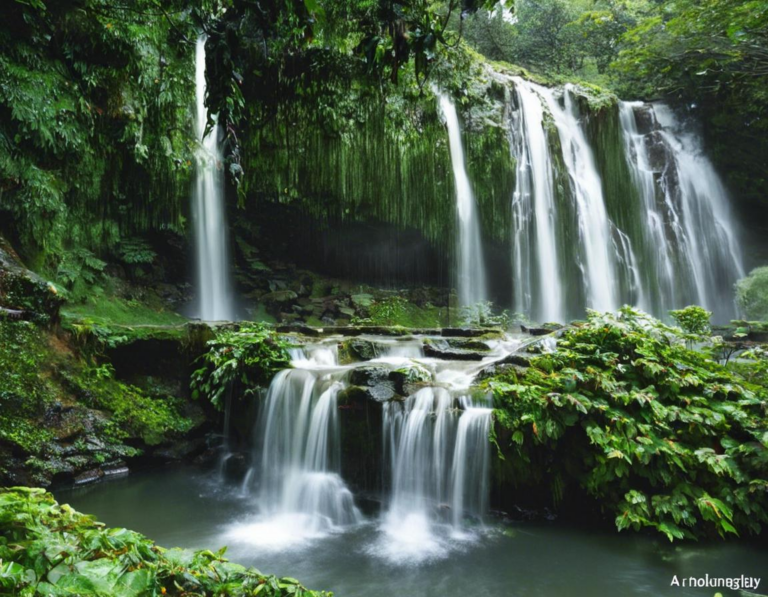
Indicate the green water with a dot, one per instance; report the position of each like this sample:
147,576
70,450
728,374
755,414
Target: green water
188,508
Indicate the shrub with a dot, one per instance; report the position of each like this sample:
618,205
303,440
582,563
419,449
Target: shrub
693,320
662,435
48,549
752,294
249,356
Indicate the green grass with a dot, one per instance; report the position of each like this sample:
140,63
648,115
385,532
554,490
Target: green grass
117,311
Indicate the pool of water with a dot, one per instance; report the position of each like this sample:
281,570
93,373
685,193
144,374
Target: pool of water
186,507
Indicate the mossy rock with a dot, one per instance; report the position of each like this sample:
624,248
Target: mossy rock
23,290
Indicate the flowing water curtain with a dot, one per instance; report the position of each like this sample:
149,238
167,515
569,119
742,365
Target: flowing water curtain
438,458
296,459
660,240
211,233
470,269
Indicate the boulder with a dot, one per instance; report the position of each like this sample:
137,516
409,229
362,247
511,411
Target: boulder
279,296
24,294
452,354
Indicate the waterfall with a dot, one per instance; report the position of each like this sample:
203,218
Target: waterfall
436,450
593,255
438,457
660,239
534,212
212,262
296,458
469,249
690,235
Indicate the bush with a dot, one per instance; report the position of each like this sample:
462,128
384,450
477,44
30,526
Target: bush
249,356
48,549
752,294
693,320
662,435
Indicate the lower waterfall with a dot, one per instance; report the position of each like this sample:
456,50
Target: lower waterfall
436,451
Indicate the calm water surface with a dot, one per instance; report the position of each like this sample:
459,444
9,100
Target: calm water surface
185,507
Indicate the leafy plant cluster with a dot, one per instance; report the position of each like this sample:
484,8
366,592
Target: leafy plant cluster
47,549
95,141
663,436
239,360
482,315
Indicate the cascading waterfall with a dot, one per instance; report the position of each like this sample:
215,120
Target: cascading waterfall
667,242
594,257
439,458
436,453
296,465
469,249
534,212
214,287
689,237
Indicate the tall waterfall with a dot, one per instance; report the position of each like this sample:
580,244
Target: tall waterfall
535,267
661,238
212,262
469,249
689,234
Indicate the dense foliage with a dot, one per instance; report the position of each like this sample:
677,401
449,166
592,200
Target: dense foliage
578,38
50,549
95,134
239,360
752,294
663,436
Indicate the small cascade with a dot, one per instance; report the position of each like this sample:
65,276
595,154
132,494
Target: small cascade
439,456
212,261
436,448
296,473
471,460
469,249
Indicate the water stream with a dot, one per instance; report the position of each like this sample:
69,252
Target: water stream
210,225
185,507
662,239
469,247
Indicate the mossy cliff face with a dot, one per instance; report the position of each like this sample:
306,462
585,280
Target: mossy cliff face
82,400
364,181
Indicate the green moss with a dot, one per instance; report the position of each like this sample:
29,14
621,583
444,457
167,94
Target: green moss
24,393
153,419
118,311
398,311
